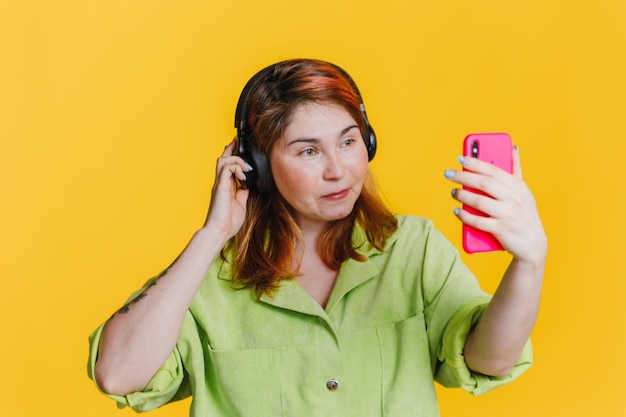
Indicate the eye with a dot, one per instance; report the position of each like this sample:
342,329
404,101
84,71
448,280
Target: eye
348,142
307,152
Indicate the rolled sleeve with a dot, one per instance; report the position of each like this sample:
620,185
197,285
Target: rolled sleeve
161,389
454,371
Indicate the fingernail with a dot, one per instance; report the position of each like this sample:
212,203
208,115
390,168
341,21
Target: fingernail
456,211
249,166
448,173
462,160
453,192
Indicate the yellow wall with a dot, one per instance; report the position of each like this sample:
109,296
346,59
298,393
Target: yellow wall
112,114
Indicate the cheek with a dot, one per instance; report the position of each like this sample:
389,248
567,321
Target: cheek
360,164
296,182
291,179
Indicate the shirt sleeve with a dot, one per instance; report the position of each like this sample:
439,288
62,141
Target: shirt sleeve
454,372
166,385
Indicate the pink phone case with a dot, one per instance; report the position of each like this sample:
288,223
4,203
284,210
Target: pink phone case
497,149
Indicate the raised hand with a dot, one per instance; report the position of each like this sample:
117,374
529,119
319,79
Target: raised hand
228,201
509,204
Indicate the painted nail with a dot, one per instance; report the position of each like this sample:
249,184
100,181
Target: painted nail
462,160
448,173
453,192
456,211
249,166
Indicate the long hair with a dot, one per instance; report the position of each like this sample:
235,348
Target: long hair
265,246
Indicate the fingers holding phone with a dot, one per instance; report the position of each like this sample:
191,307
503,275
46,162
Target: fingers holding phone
499,211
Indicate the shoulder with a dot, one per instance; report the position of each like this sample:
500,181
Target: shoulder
411,227
412,222
415,232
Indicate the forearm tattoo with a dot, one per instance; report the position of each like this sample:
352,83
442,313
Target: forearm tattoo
126,308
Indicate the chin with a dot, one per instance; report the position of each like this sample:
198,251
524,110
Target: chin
340,215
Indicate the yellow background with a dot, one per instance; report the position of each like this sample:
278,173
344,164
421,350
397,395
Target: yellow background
112,114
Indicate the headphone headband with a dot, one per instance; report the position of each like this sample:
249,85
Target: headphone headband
241,113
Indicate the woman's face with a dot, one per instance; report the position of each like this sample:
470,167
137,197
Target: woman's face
320,163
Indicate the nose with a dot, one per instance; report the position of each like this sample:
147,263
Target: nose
334,168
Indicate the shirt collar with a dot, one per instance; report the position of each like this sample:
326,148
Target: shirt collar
352,274
359,240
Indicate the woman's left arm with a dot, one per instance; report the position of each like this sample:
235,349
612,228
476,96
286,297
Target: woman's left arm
496,342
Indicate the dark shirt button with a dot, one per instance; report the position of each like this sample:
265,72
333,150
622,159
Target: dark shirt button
332,385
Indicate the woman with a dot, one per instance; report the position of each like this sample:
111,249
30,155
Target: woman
302,295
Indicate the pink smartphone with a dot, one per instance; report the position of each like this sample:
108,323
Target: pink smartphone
497,149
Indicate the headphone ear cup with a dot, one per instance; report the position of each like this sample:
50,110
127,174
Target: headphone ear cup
370,142
242,151
261,173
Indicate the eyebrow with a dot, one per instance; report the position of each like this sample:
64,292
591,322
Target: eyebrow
316,140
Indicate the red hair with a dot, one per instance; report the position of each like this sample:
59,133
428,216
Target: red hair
265,245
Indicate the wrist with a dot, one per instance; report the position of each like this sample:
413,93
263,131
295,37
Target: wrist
534,257
534,265
213,236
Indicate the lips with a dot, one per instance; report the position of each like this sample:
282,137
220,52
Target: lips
337,195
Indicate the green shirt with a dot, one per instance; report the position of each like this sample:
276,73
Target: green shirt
393,324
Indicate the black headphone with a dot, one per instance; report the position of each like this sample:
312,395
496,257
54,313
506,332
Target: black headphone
260,178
